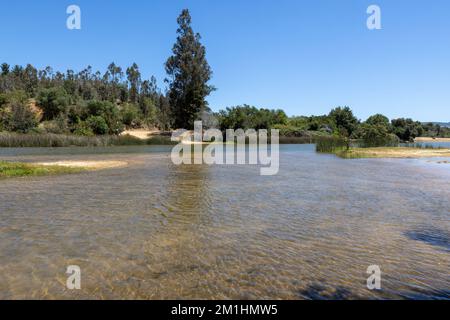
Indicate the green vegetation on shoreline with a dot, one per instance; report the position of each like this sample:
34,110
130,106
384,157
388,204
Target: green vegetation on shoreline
18,169
48,108
61,140
350,149
391,152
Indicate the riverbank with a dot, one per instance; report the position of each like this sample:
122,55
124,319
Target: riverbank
87,165
50,140
20,169
135,137
393,152
142,134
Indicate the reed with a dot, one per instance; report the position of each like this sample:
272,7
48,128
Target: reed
331,144
160,140
13,140
51,140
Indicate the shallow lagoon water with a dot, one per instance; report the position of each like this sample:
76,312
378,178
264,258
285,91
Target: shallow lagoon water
154,230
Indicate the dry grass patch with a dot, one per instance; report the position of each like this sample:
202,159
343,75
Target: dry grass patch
393,152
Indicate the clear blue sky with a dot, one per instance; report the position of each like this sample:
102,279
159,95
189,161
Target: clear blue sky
303,56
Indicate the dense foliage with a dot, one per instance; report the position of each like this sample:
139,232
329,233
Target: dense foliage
436,130
377,130
79,103
249,117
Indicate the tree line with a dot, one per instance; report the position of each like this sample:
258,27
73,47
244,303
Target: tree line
91,102
84,103
377,130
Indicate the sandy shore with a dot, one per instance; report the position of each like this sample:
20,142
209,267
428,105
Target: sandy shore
428,139
396,153
94,165
140,133
143,134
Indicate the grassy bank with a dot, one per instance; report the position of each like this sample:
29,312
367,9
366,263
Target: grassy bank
392,152
14,140
18,169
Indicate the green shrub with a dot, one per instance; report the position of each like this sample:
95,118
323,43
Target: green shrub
97,124
19,118
376,135
131,116
53,101
290,131
344,120
249,117
58,126
109,112
407,129
82,129
378,119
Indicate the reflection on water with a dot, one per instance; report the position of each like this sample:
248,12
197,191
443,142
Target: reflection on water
158,231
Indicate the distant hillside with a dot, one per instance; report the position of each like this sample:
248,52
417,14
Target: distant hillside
442,124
